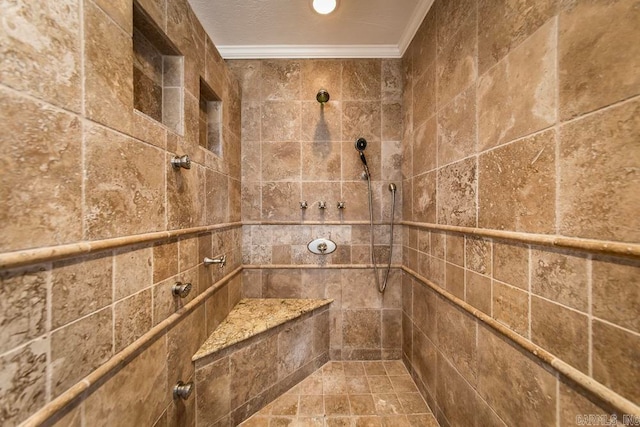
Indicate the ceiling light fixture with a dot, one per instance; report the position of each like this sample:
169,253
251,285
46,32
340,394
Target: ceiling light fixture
324,7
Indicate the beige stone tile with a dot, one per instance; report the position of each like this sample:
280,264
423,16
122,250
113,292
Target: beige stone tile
452,389
422,420
321,122
185,31
183,340
311,405
355,194
24,386
573,405
424,310
457,339
615,285
502,369
185,191
387,404
79,287
457,128
560,277
407,192
72,417
235,200
280,200
357,382
320,74
511,263
132,270
391,122
281,121
320,161
362,404
132,318
517,185
329,192
511,307
614,365
478,291
455,249
403,384
126,179
217,199
504,25
285,405
422,50
518,96
137,393
79,348
336,405
457,60
454,280
249,74
424,359
213,391
295,347
41,51
391,329
391,157
251,201
425,149
155,9
23,314
361,329
359,291
424,96
361,119
280,80
599,157
456,196
252,370
392,83
280,161
361,79
478,254
424,198
598,55
41,183
108,80
165,260
121,11
561,331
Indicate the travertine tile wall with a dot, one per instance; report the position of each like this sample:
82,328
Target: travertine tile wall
295,149
79,164
521,116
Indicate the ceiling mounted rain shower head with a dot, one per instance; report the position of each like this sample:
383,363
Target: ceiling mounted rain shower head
322,96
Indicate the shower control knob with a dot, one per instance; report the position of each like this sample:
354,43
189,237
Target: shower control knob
322,247
303,204
340,205
322,205
181,162
182,390
181,289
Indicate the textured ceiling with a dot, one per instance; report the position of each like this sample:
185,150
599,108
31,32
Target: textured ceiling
290,28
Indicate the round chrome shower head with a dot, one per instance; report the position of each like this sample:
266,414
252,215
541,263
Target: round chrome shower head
322,96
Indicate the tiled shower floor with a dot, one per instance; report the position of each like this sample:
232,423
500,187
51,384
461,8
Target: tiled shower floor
350,394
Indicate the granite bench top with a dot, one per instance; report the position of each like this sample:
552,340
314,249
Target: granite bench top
252,316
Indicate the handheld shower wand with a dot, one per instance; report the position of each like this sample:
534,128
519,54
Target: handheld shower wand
361,144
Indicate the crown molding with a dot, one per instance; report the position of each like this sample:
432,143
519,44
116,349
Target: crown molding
309,51
418,15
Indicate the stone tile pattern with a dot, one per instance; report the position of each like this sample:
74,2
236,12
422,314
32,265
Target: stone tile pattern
84,165
235,382
521,116
354,393
295,149
365,325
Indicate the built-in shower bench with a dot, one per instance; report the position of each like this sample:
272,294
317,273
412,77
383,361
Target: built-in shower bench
262,348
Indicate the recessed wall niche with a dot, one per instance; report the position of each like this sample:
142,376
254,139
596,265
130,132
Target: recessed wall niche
210,122
158,73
